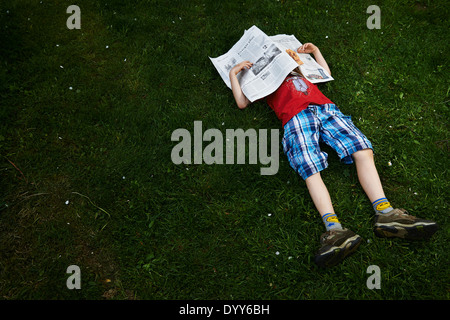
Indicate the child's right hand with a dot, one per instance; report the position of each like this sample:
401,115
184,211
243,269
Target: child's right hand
240,66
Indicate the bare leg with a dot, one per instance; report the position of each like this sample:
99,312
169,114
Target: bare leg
368,174
319,194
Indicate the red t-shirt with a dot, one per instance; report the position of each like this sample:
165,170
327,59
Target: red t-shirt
293,96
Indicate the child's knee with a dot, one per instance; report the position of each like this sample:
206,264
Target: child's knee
364,154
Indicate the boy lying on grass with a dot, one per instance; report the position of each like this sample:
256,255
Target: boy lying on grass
308,117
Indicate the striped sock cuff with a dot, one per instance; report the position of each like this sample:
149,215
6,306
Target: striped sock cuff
377,202
382,205
328,215
331,221
330,218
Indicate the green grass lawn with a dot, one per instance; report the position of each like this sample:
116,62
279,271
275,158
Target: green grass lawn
86,176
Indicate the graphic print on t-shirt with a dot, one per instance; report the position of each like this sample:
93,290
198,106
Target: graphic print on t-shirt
299,84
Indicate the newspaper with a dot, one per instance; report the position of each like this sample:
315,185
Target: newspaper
271,63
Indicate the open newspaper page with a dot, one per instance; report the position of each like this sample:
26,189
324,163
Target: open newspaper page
270,67
310,69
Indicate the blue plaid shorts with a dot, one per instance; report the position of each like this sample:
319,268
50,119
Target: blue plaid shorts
320,123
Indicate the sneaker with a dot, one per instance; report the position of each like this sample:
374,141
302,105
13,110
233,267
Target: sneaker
336,245
398,223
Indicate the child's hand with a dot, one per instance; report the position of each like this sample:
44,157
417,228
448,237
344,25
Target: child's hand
307,48
238,94
238,68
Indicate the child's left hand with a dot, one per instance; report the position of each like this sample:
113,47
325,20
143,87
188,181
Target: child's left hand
307,48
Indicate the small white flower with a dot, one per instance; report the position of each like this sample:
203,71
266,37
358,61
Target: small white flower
415,193
123,178
326,37
57,45
389,163
61,67
70,88
269,214
107,47
223,123
125,59
67,202
277,253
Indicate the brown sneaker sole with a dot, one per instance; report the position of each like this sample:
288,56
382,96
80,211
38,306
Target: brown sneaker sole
335,254
414,232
